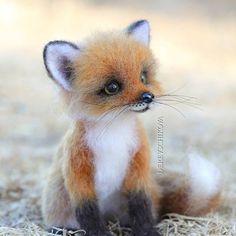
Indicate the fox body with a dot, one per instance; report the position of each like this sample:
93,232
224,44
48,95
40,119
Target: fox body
102,167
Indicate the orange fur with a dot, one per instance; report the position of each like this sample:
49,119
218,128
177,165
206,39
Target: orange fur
72,175
213,203
78,167
118,56
176,197
138,175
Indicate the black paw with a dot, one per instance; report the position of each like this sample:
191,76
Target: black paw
155,233
66,231
150,232
98,233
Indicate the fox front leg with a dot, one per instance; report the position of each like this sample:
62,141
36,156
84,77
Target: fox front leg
139,195
87,214
80,186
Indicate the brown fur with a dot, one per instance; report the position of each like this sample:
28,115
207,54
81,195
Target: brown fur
121,57
70,180
138,177
138,174
78,168
176,197
72,176
213,203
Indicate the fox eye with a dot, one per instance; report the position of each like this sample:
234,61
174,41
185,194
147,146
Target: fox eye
112,88
143,77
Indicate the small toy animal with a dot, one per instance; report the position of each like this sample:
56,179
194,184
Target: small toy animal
102,167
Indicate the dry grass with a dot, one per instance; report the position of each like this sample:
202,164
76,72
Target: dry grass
196,51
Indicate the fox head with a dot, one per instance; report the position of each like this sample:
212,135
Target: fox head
110,73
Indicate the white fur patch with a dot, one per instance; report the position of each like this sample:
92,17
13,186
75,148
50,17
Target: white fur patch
113,149
205,177
54,53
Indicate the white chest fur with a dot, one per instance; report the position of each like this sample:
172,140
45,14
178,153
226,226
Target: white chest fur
112,149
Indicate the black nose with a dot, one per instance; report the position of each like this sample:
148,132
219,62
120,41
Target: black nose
147,97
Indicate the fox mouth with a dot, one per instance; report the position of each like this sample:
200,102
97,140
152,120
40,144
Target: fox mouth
140,107
143,110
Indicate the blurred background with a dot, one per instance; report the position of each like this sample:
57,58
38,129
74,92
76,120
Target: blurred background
195,44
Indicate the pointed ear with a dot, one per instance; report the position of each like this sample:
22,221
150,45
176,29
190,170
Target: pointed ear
140,30
58,59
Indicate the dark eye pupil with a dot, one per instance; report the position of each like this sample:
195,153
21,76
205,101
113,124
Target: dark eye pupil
143,78
112,87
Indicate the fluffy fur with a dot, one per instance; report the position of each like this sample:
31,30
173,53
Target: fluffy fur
194,193
204,177
102,167
113,149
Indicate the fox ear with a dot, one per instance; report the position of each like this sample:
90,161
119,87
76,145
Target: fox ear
140,30
58,59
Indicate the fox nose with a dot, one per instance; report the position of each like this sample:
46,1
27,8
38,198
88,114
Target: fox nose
146,97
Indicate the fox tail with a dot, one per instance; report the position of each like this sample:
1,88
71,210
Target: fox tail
194,193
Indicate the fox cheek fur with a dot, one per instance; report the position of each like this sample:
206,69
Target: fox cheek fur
102,168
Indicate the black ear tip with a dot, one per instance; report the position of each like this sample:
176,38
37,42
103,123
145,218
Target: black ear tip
46,48
59,42
141,22
48,45
137,24
45,58
54,43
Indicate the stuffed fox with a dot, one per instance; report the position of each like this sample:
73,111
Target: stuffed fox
102,167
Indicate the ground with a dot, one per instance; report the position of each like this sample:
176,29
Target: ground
196,49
